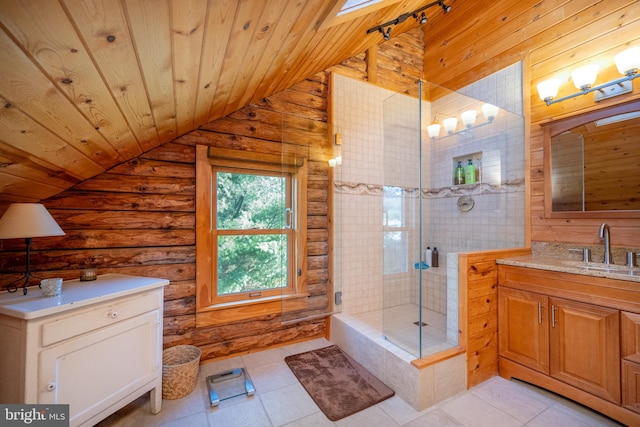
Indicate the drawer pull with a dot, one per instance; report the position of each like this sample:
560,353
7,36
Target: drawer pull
113,314
51,386
539,313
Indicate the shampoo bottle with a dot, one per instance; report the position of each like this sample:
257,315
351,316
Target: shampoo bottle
434,257
470,173
428,256
458,174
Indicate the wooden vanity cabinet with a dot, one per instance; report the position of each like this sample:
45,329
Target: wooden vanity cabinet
574,342
575,335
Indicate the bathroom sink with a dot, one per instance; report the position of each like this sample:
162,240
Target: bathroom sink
606,268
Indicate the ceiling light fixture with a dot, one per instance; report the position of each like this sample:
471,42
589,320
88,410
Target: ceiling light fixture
627,63
418,15
469,118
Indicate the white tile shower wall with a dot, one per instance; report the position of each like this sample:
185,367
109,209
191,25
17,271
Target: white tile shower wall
497,219
366,115
361,259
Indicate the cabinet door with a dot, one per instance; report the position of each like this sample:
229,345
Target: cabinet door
95,370
523,325
585,347
630,333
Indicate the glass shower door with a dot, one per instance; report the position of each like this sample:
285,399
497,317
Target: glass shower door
403,263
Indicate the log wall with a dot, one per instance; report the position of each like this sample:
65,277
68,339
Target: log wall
139,217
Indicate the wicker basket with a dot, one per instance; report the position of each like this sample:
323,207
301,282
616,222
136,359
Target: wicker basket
179,371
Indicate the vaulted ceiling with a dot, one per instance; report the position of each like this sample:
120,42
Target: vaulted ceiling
88,84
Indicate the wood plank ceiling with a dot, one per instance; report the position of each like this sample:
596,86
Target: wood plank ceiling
89,84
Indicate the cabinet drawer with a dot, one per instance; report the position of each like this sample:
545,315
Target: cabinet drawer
98,316
631,385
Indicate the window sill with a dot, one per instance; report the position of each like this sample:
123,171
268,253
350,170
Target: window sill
230,312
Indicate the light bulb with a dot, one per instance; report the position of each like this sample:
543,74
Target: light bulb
433,130
548,89
469,117
584,77
450,124
628,61
490,111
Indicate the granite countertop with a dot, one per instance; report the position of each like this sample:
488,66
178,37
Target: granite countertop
595,269
75,294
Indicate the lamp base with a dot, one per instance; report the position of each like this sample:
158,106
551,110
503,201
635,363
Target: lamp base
613,90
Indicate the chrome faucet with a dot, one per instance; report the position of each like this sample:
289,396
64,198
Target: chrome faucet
604,234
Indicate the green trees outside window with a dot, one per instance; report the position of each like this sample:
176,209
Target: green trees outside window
252,235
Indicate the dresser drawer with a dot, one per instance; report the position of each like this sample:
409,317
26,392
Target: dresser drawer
99,315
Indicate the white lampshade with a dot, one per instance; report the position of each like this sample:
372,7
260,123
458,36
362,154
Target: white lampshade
490,111
24,220
628,61
450,124
584,77
433,130
469,117
548,89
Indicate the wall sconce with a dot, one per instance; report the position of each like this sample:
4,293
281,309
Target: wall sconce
627,63
421,19
337,160
468,118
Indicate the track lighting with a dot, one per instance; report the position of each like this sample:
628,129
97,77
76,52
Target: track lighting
422,19
444,7
386,35
417,14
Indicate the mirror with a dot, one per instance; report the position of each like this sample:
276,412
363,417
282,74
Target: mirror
592,164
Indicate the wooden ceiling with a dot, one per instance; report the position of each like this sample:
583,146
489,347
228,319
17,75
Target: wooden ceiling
89,84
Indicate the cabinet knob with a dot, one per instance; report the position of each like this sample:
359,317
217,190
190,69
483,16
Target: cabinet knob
51,386
113,314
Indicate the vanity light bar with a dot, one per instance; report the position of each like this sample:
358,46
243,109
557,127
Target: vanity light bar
627,62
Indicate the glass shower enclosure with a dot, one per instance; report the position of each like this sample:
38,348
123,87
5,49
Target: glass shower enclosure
426,211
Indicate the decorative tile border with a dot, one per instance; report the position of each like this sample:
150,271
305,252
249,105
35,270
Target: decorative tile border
362,189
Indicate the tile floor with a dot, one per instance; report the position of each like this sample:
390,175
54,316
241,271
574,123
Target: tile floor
280,400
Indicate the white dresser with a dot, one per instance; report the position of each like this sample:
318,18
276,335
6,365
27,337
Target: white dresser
96,347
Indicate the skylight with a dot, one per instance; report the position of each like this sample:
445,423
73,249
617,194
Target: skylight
352,5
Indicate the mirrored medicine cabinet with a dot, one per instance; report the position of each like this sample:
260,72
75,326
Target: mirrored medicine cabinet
592,164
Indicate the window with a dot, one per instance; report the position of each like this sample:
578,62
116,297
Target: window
342,11
253,234
251,231
395,231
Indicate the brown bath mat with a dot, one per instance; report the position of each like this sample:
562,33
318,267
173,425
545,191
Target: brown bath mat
339,385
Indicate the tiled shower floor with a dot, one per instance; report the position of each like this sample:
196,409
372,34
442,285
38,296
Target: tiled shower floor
280,400
397,325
